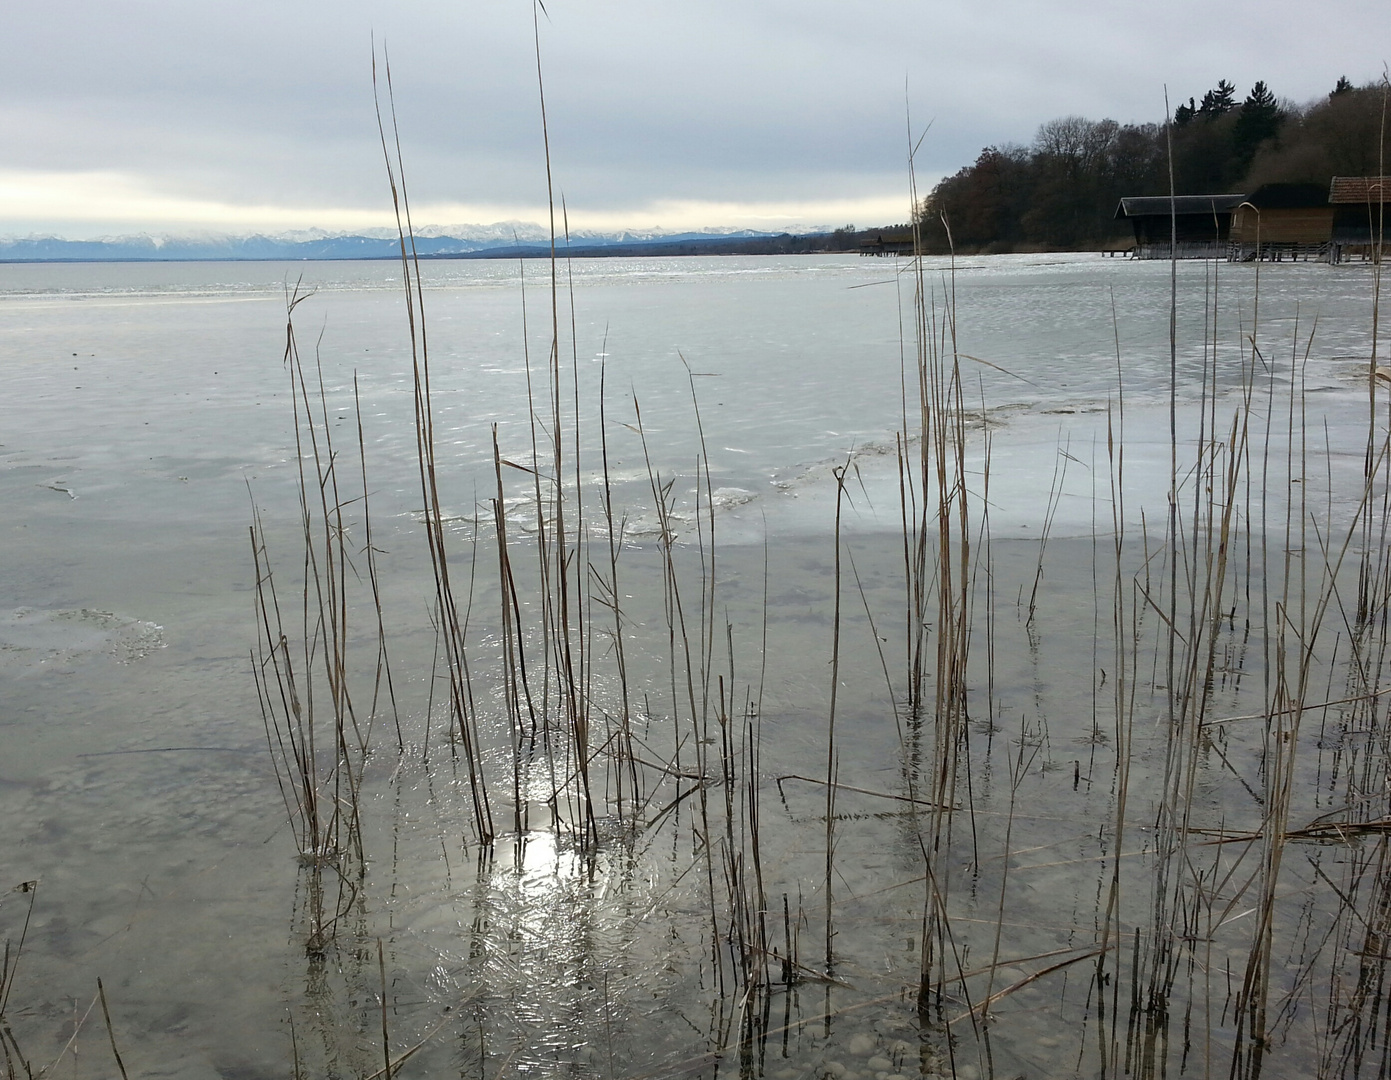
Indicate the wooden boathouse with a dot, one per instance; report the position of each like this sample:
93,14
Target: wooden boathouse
1282,222
889,242
1359,217
1202,223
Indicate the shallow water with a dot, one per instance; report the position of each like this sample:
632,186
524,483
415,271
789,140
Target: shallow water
147,406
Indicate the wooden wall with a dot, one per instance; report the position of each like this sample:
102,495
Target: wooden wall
1279,225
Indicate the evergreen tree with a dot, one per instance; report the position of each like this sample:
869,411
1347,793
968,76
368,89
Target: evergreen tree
1260,104
1343,87
1259,119
1184,114
1218,102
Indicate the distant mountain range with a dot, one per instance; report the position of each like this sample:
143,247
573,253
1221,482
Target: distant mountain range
505,240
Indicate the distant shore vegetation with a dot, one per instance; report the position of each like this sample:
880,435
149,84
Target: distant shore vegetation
1060,193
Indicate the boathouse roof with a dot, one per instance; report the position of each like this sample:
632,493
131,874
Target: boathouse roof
1288,197
1159,205
1360,189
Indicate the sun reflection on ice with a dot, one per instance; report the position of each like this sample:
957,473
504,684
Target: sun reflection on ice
567,941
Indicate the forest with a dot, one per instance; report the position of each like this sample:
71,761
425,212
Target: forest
1060,193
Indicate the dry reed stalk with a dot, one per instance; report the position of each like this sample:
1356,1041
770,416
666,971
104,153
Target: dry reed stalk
369,548
445,604
1166,898
1019,768
110,1031
577,722
9,970
386,1041
1124,656
610,586
584,679
543,538
832,757
510,647
1055,494
1374,572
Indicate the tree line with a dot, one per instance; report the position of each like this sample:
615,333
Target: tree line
1061,192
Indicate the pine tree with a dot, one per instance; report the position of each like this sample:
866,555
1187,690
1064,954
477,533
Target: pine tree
1218,102
1343,87
1260,101
1259,119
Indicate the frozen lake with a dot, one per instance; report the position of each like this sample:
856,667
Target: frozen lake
147,405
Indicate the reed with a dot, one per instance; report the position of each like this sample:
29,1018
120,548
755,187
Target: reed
15,1060
110,1031
1223,914
446,610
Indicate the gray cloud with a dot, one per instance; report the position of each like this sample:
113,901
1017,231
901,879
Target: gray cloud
270,104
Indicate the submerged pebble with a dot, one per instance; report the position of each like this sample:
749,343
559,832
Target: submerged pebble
862,1045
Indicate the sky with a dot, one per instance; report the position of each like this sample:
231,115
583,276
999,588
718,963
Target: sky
189,117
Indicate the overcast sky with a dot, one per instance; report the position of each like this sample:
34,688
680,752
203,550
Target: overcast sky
184,116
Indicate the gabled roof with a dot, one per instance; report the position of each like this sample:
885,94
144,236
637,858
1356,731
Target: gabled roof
1360,189
1160,205
1288,197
